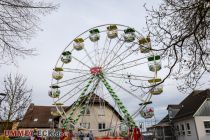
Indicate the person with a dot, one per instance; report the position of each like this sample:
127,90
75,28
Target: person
81,136
91,137
70,135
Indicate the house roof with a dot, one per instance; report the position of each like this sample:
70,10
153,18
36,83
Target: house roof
174,106
189,105
40,113
192,103
164,120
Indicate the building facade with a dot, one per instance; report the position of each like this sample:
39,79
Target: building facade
99,117
95,117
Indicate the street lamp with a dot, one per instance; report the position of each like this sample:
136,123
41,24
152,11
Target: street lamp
2,96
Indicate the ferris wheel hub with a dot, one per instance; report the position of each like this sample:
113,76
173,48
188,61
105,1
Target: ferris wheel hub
95,70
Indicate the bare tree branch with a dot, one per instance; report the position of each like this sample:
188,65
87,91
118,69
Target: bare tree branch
18,98
18,23
181,33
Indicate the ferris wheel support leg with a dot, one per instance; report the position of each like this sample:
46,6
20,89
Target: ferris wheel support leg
77,103
127,116
86,103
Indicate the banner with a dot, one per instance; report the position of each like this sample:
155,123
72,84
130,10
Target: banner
35,133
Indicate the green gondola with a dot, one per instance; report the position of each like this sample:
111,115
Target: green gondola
94,35
66,57
129,35
154,63
54,92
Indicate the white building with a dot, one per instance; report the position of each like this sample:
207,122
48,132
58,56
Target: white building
190,120
99,116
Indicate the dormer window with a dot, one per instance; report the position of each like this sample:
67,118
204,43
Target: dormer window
101,111
35,119
86,112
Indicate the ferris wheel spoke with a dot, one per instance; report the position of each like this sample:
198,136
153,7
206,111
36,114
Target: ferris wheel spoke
81,62
114,56
72,91
74,82
128,67
118,56
89,57
81,76
76,71
109,53
96,48
130,77
104,48
126,90
125,63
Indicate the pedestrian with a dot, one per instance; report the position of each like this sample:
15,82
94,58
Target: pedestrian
81,136
91,137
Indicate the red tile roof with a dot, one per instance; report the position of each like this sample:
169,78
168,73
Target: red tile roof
42,113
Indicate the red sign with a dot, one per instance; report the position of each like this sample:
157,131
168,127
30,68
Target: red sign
18,133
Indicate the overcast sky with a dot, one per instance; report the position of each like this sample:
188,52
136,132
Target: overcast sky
69,20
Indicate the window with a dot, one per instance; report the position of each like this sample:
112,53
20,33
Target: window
35,119
207,126
85,125
50,120
188,129
101,111
86,112
177,130
182,129
72,126
101,126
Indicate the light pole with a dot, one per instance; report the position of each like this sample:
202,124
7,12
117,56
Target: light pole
2,96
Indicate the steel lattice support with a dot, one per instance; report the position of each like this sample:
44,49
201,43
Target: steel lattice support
77,103
127,117
86,103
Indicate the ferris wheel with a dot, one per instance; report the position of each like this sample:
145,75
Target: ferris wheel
97,67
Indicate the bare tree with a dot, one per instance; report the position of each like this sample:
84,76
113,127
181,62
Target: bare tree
18,98
181,33
18,23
